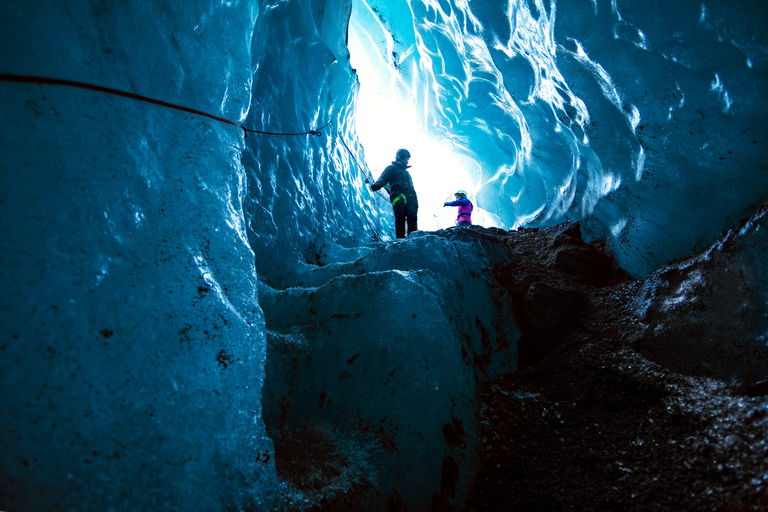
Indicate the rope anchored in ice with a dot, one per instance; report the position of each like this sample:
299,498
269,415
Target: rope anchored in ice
5,77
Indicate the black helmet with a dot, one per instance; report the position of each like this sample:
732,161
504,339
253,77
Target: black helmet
402,154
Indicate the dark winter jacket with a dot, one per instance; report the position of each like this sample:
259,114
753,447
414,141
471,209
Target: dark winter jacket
397,180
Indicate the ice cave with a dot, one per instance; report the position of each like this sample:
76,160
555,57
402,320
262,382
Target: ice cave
206,308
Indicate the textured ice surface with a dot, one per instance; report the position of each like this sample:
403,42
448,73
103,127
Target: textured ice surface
708,315
132,344
690,81
304,192
388,350
134,238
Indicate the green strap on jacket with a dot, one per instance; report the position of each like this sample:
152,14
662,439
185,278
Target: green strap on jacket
405,201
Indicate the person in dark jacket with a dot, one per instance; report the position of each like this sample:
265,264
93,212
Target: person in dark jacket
465,208
397,181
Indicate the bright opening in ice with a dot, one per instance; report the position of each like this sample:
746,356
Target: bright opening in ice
387,119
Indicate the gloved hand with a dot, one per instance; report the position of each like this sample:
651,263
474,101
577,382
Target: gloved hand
445,204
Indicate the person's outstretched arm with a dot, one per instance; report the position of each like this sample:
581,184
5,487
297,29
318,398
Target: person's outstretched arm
382,181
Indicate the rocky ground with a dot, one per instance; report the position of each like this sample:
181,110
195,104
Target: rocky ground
588,422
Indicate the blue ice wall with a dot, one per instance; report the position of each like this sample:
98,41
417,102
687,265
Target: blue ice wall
690,78
132,343
307,195
133,236
376,362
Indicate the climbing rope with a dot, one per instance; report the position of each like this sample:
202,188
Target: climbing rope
4,77
69,83
317,132
368,178
366,172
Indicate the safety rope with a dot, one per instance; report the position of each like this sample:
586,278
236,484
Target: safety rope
366,172
317,132
5,77
368,178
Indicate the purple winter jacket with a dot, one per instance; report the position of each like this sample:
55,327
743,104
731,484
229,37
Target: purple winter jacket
465,209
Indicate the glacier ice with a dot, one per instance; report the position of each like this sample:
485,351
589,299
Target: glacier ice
152,259
133,340
708,313
375,350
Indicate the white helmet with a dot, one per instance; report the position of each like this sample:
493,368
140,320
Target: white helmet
461,193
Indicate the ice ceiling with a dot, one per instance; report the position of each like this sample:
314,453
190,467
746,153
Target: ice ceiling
149,255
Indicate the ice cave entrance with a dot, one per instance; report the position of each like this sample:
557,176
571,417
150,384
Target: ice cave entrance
390,116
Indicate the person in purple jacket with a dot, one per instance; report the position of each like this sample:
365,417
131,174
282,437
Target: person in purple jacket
465,208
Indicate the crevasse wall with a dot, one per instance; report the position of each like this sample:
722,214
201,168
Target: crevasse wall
133,236
691,77
132,350
306,193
